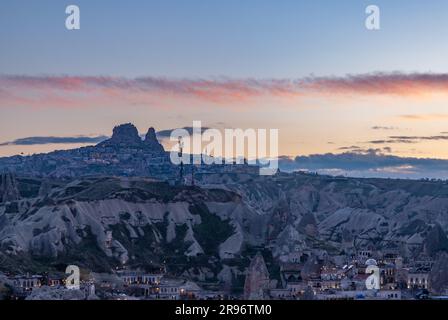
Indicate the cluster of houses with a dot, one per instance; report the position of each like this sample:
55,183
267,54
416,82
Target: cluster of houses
124,285
302,275
308,275
159,287
24,285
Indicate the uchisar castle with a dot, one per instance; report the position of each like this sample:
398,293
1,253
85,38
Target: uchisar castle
124,154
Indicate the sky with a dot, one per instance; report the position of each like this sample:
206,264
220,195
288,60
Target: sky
308,68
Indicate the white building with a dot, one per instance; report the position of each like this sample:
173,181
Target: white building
136,278
418,280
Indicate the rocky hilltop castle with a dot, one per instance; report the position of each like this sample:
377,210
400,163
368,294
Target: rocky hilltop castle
124,154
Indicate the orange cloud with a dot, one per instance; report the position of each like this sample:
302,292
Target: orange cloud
423,117
69,91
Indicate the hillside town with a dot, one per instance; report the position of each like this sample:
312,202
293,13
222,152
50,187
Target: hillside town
302,276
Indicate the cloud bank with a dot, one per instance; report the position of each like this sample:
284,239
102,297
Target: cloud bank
166,134
373,163
53,140
409,139
70,91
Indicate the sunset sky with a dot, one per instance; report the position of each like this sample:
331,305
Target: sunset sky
309,68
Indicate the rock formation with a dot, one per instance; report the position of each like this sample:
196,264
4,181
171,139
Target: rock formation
53,293
308,225
257,279
152,142
436,241
8,188
124,135
45,188
438,277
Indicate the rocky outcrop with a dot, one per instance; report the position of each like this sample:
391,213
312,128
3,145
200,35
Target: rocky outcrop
257,279
5,285
289,240
54,293
438,277
232,246
311,268
8,188
45,189
228,275
151,141
308,225
124,135
436,241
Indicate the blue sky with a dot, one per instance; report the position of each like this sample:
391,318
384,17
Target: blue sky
198,38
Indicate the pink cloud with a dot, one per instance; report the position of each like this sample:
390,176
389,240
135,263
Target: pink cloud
400,84
79,91
76,91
